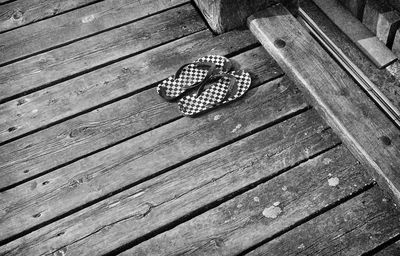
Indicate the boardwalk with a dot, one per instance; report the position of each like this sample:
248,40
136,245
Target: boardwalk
94,162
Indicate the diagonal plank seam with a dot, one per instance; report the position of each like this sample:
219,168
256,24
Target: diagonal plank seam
148,87
216,203
87,36
99,66
149,177
360,191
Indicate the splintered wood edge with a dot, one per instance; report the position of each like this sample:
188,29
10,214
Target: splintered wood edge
363,127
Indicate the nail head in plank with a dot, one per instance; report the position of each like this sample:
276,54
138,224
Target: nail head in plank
352,114
262,212
281,146
353,228
379,54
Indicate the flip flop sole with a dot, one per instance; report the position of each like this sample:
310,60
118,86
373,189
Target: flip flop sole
175,87
214,95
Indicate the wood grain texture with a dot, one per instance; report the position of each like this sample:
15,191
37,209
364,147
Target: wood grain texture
262,212
387,80
356,7
368,43
367,131
84,55
382,19
155,152
105,126
92,89
23,12
225,15
352,228
62,29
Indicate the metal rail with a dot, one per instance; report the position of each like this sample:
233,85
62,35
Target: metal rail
372,90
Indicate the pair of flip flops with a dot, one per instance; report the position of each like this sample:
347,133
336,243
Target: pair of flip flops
204,84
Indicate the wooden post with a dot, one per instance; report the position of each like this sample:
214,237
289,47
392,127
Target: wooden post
225,15
382,20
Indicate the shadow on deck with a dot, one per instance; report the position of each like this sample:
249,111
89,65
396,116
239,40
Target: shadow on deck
94,162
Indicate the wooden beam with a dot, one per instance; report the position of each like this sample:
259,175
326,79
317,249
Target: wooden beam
379,54
356,7
225,15
362,126
382,20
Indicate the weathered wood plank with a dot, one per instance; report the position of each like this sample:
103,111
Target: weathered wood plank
62,29
112,223
225,15
64,142
368,43
143,156
264,211
92,89
22,12
356,7
352,228
382,20
391,250
386,80
366,130
82,56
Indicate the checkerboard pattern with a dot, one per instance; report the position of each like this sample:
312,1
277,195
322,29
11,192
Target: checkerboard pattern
215,94
191,74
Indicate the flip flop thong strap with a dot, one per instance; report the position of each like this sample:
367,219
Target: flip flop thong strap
212,69
232,87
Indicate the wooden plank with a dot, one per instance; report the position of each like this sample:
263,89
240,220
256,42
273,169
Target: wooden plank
396,43
186,189
79,136
85,92
356,7
387,80
366,130
65,28
22,12
368,43
144,156
85,55
261,213
353,228
382,20
225,15
391,250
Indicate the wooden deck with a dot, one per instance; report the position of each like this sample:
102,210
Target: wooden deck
94,162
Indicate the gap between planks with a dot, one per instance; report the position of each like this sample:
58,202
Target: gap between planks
67,141
76,25
276,152
75,59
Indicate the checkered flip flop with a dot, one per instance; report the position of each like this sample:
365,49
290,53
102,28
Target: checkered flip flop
222,89
192,75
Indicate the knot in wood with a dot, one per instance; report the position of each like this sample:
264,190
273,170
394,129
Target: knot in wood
279,43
